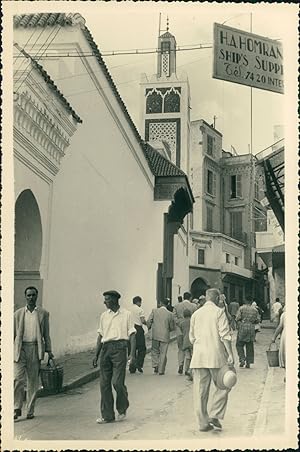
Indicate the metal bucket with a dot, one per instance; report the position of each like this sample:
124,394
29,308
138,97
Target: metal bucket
273,357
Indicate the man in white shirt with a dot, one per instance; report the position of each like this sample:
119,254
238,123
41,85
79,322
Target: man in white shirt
211,339
178,317
138,320
116,327
277,309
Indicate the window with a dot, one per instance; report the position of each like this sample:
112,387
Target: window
260,220
211,183
191,220
200,257
236,225
209,219
227,258
210,145
154,103
236,186
171,103
236,261
256,190
165,46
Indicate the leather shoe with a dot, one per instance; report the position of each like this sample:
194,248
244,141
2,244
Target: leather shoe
180,370
140,370
100,420
17,413
30,416
215,423
161,373
156,370
207,428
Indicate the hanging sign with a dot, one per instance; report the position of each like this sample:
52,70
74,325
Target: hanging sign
248,59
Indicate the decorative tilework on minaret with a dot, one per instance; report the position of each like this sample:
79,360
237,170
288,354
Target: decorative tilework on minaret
165,105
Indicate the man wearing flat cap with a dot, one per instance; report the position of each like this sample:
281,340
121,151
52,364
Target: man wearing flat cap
211,338
116,327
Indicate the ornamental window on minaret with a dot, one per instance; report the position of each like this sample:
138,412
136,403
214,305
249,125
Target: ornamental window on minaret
165,105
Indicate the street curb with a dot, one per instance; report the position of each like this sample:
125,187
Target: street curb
82,379
262,414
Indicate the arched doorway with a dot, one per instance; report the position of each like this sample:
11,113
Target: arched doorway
198,287
28,245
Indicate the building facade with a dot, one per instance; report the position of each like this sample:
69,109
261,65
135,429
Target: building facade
226,214
92,199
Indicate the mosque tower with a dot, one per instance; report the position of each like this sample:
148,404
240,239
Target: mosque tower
165,105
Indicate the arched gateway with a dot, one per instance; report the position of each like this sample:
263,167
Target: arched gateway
28,245
198,287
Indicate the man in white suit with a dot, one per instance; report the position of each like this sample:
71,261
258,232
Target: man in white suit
31,341
211,339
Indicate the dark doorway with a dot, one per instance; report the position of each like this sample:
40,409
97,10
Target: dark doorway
28,245
198,287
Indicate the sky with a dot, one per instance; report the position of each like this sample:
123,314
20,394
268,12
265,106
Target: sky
134,25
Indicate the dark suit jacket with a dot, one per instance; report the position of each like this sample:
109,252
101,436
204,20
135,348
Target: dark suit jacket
162,322
43,337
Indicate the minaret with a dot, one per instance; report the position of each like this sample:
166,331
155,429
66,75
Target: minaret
166,59
165,105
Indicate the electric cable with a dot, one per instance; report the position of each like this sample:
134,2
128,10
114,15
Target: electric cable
58,30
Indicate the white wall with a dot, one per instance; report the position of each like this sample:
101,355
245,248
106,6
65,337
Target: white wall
180,283
106,230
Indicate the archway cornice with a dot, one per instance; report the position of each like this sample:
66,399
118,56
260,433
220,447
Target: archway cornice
40,117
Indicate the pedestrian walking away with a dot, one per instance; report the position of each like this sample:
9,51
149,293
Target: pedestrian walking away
260,312
246,318
212,354
233,308
178,316
31,341
116,327
162,323
187,347
276,311
139,320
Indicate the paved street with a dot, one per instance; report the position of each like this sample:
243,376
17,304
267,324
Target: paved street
161,407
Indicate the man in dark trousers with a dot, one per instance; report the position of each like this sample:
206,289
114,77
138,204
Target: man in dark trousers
139,320
162,323
246,318
31,341
116,327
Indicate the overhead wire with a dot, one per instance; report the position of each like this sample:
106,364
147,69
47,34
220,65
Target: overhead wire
24,48
73,54
116,83
37,59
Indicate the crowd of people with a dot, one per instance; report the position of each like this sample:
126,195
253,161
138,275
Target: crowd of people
204,330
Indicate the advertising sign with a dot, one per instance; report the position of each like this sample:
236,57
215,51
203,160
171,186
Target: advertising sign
248,59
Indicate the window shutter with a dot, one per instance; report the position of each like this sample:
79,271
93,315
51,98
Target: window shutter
214,190
239,185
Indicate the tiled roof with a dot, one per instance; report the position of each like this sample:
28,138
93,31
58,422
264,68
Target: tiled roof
159,165
167,35
53,87
41,20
